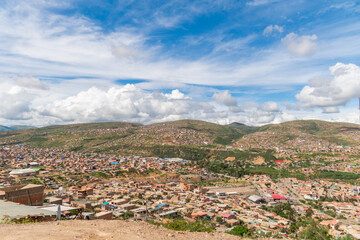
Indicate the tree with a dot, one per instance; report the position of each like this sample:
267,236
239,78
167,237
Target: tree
240,231
189,212
313,231
347,237
309,212
219,219
127,215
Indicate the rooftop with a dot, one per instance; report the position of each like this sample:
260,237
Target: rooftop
15,210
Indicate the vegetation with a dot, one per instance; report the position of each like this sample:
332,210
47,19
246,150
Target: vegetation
120,137
283,210
101,175
313,231
182,225
240,231
337,175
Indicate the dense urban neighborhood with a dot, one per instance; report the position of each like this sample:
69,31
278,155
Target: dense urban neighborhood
263,191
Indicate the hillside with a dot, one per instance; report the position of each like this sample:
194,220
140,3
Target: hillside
117,136
302,133
186,138
99,230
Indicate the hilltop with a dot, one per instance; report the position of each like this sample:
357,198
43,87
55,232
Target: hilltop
176,138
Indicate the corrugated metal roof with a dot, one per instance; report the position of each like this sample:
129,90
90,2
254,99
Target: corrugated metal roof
15,210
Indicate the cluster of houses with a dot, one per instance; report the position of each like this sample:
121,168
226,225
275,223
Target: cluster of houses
75,185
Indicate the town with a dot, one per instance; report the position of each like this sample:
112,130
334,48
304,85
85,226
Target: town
44,184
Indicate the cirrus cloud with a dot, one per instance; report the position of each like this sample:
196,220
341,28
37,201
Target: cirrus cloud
271,29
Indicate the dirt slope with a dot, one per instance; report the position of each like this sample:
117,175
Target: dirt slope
99,230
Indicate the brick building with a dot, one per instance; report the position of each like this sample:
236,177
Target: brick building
30,194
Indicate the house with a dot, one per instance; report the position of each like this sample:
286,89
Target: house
119,202
187,187
199,215
256,199
29,194
169,214
104,215
277,197
54,200
139,212
84,192
334,224
81,204
128,206
155,210
232,222
227,216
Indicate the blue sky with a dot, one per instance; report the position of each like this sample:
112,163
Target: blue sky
251,61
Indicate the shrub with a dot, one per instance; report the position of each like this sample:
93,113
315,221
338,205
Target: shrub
182,225
240,231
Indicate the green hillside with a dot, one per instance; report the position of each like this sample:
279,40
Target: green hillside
333,132
181,138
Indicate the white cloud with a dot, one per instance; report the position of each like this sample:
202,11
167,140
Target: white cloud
256,118
41,43
331,110
300,45
270,107
331,93
272,28
225,98
14,106
30,82
37,42
17,95
126,103
176,94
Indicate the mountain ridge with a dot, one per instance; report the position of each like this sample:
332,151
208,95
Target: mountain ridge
183,135
14,128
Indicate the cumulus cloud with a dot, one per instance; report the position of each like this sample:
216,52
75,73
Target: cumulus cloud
272,28
261,117
13,106
331,93
176,94
303,46
17,94
126,103
225,98
270,107
15,102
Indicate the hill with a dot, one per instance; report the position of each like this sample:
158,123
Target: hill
184,138
303,133
14,128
